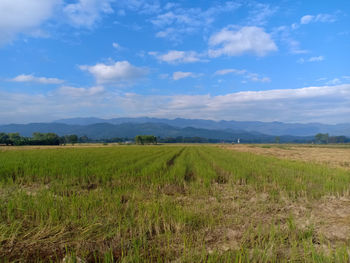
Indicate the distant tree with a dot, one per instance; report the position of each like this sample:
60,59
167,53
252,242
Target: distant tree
277,139
83,139
322,138
52,139
4,138
338,139
73,139
145,139
45,139
63,140
14,138
138,139
38,136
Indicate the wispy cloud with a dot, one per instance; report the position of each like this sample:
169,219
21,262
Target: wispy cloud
33,79
177,57
174,22
222,72
316,59
181,75
80,92
140,6
335,81
284,34
248,76
259,13
116,46
85,13
324,18
311,59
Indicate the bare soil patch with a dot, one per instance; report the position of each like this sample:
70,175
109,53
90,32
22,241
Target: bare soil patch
247,217
332,156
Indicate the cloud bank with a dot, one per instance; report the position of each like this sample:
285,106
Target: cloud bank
327,104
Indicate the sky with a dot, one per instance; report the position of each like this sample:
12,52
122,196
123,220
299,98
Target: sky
241,60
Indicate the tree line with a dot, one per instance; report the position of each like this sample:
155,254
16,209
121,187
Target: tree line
324,138
54,139
39,139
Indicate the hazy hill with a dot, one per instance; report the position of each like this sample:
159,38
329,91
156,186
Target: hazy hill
130,130
270,128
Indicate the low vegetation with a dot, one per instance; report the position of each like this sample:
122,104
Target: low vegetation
39,139
169,203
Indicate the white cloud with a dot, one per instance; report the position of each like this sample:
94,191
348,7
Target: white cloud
177,57
32,78
85,13
29,16
311,59
120,72
140,6
116,45
23,16
328,104
259,13
283,33
80,92
163,76
324,18
335,81
256,78
230,70
174,22
247,75
181,75
63,102
316,59
306,19
294,47
250,39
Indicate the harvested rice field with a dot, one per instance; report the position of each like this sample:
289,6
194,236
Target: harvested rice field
178,203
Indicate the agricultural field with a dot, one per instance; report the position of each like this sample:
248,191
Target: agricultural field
336,155
179,203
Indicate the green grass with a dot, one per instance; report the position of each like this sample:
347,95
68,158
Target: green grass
160,204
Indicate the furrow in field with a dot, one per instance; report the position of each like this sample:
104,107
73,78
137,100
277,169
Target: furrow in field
172,160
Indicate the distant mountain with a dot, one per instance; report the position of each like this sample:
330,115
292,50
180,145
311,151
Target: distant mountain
130,130
269,128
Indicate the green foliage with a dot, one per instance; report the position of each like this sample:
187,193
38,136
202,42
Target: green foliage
277,139
4,138
322,138
145,139
37,139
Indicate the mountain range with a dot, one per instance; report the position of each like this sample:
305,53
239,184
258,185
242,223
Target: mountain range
96,128
269,128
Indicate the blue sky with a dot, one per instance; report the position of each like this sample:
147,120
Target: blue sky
233,60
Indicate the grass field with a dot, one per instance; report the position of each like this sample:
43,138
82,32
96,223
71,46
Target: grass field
170,204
